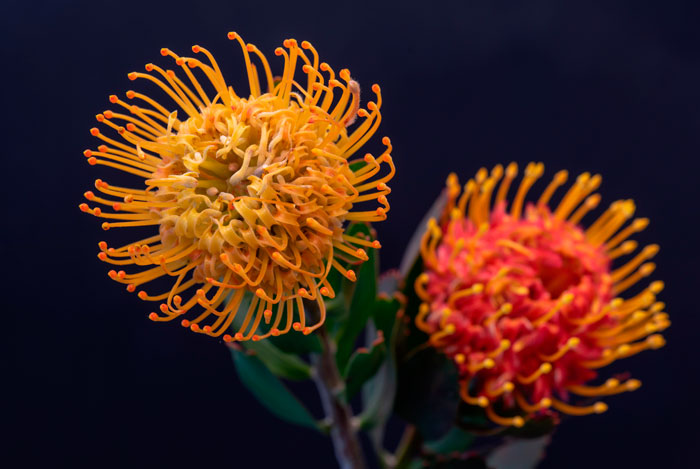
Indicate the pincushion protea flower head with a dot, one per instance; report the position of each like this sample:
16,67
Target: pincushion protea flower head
526,303
249,194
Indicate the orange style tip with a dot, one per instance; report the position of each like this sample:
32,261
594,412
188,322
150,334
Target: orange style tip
306,68
368,158
121,130
260,292
132,76
275,332
87,153
108,114
287,43
102,256
351,275
376,88
301,291
84,207
223,256
362,113
170,73
121,274
117,206
103,148
386,141
296,326
376,244
324,291
164,51
209,280
255,338
95,131
163,307
238,336
130,288
153,316
92,161
102,245
194,327
305,45
518,422
199,292
307,330
142,295
185,323
207,329
250,47
600,407
196,49
112,273
279,51
232,35
130,127
227,338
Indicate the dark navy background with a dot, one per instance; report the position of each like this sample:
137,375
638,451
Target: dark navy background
587,86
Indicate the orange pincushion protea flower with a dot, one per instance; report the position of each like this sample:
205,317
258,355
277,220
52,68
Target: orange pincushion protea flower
248,193
526,304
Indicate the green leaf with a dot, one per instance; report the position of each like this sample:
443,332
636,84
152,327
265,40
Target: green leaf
279,363
456,440
296,343
428,393
378,397
378,393
270,391
357,165
362,301
362,366
384,315
518,454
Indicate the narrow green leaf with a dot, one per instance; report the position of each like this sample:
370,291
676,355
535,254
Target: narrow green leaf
270,391
384,315
362,301
279,363
518,454
362,366
455,440
296,343
428,393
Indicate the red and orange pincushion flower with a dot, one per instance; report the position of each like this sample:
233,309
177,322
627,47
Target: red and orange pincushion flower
524,299
249,193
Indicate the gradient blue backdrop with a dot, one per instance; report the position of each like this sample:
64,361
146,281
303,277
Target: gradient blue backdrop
583,85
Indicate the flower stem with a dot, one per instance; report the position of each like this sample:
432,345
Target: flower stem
330,386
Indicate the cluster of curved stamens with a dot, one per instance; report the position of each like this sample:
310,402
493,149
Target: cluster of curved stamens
525,301
249,194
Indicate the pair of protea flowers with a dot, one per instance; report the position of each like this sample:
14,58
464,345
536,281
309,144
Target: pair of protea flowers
252,194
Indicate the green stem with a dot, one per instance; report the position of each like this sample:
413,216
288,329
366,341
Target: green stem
330,386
